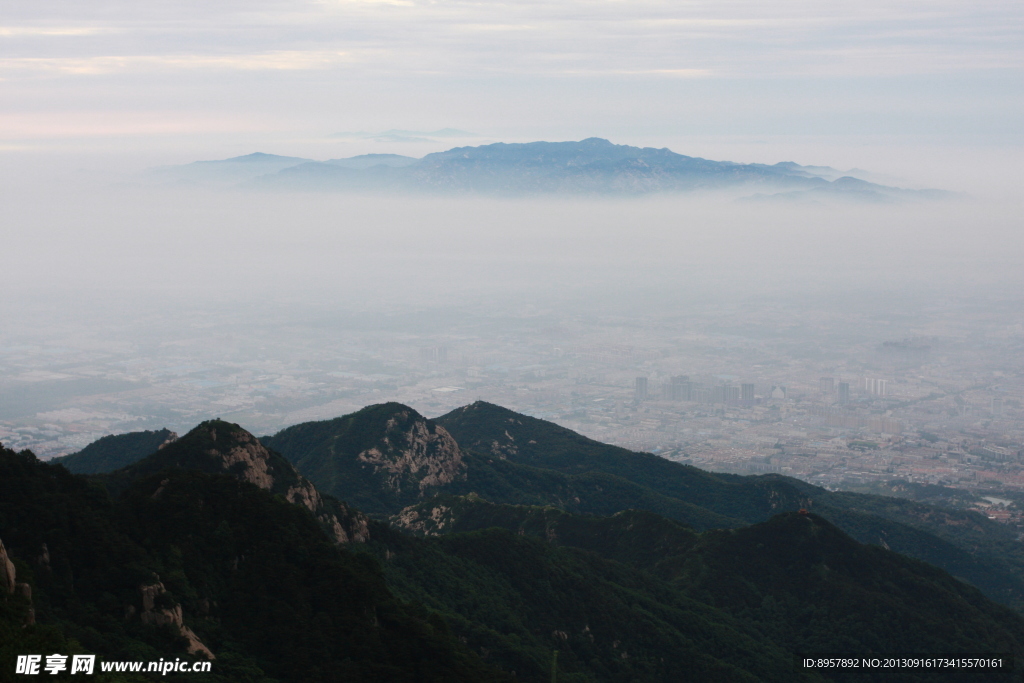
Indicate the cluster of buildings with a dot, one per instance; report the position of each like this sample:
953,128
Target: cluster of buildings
844,408
680,388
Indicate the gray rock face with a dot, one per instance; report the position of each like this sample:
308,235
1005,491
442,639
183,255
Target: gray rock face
380,459
161,616
344,524
250,461
423,521
9,583
348,525
8,580
415,454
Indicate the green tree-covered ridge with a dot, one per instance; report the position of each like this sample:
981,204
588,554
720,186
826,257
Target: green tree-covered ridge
116,451
507,457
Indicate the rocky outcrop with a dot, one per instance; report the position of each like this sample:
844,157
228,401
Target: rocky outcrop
305,494
25,591
157,614
415,452
348,525
505,448
246,458
343,523
423,521
442,514
8,580
44,557
10,585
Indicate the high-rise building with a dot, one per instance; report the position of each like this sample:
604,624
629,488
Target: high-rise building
641,388
679,388
747,393
731,394
844,393
827,385
997,407
434,354
875,386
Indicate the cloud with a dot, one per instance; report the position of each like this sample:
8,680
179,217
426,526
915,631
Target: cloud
48,31
461,37
581,67
274,61
123,122
676,73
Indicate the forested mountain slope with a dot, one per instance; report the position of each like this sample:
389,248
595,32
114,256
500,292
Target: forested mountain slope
796,580
183,560
494,540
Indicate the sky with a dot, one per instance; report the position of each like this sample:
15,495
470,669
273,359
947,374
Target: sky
840,83
923,94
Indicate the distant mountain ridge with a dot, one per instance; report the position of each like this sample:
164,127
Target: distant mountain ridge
593,166
115,451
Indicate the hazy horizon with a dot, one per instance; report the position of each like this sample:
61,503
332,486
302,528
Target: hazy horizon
98,262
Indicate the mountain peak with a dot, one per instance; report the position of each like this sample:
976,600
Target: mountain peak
221,447
259,157
414,449
400,453
239,452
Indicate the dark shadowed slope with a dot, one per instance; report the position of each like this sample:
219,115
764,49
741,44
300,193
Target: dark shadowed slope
964,543
187,561
795,580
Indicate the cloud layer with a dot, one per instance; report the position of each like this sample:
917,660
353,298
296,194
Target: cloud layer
945,68
531,38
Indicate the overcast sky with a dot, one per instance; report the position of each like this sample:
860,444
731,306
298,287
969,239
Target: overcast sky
925,94
743,80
